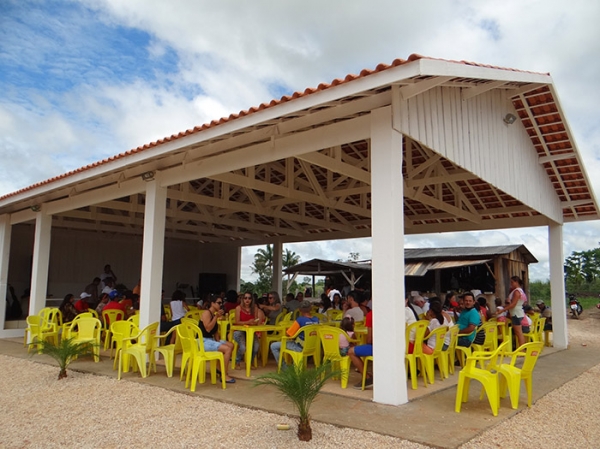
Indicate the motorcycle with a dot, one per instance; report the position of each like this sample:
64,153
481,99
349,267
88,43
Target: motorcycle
575,306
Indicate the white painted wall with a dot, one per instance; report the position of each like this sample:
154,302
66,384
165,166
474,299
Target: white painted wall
472,134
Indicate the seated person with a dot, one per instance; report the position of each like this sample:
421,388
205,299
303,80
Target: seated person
291,304
545,312
355,353
437,318
67,308
304,318
114,303
353,307
468,321
246,314
410,317
208,326
81,305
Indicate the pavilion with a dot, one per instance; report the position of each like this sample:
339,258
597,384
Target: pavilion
419,146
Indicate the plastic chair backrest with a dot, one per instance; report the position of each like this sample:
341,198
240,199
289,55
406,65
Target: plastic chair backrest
322,317
279,317
419,328
311,337
531,351
43,313
194,314
34,323
491,336
87,328
147,335
334,314
330,340
52,319
453,337
94,313
123,329
440,336
111,316
135,319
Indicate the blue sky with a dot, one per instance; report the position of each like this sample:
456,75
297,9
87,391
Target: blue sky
81,80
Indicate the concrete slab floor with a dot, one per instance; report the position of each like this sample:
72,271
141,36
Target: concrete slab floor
428,418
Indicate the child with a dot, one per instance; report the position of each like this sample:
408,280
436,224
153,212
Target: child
500,312
348,326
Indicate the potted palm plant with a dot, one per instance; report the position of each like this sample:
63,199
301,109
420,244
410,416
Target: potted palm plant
65,352
300,386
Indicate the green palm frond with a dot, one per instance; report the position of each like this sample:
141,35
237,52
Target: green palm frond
299,385
65,352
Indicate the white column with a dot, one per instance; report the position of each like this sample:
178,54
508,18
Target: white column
41,260
238,270
276,282
153,251
560,335
5,231
387,230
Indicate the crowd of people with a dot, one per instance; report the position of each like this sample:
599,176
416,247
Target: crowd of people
467,310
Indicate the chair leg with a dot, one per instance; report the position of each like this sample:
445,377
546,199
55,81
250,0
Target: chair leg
222,363
460,387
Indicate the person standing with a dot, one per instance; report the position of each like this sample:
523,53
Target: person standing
92,289
517,298
107,273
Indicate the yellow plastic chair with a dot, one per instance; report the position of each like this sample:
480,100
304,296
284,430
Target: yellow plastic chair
194,315
438,355
322,317
193,345
135,319
108,317
51,322
185,355
139,351
511,376
192,307
411,359
504,332
94,313
366,361
451,351
66,328
486,376
88,331
310,347
36,333
168,351
536,331
121,330
330,340
334,314
491,338
167,310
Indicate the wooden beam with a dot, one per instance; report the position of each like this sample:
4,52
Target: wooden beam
471,92
557,157
410,91
337,166
438,204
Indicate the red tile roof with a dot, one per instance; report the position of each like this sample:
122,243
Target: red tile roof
283,99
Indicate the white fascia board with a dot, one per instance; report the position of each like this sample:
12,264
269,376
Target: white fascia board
433,67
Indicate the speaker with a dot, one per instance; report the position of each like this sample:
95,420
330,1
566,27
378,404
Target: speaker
211,283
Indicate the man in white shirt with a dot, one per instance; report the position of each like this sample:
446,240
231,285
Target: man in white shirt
353,310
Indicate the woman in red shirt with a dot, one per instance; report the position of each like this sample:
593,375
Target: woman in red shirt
246,314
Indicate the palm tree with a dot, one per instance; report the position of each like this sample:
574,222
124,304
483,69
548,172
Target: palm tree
290,258
66,351
300,386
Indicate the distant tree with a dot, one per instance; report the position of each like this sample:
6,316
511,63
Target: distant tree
263,267
582,268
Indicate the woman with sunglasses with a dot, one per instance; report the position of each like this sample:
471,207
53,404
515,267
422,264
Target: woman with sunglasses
209,328
246,314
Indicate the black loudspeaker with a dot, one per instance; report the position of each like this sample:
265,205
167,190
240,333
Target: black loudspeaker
211,283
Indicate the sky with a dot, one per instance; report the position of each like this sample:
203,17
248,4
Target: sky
82,80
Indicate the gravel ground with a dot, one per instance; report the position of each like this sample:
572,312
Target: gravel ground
84,411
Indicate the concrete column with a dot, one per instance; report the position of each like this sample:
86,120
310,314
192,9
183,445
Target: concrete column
153,250
41,259
277,281
5,231
560,335
387,230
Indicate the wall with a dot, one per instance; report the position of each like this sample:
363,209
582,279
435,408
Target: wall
472,134
76,257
